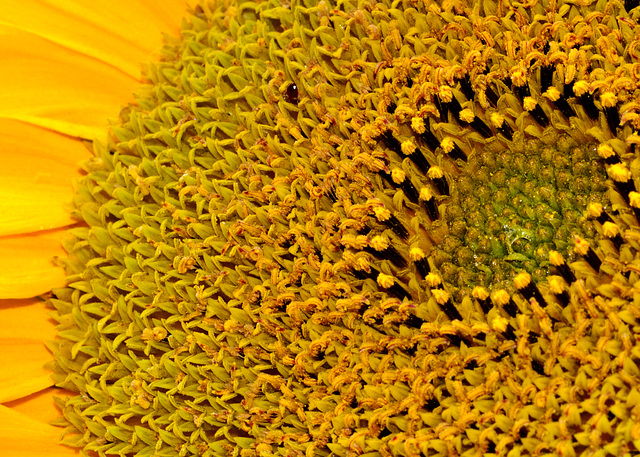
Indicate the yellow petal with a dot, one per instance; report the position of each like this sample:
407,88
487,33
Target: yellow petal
22,436
122,33
38,166
24,327
40,405
26,206
26,265
51,86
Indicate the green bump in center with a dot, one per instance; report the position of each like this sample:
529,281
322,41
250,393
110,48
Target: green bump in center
510,207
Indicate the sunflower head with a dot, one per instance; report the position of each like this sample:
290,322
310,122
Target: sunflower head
376,228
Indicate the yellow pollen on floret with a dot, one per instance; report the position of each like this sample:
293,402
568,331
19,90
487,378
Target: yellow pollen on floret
382,214
522,280
147,334
633,139
435,172
519,77
608,99
362,264
374,203
417,124
441,296
381,124
500,297
354,241
467,115
570,73
499,324
404,112
609,229
368,134
385,281
634,199
556,286
416,254
555,258
426,193
605,150
398,175
408,147
529,103
433,280
155,334
379,243
480,293
595,209
445,93
619,172
497,119
630,118
581,246
552,94
447,144
580,88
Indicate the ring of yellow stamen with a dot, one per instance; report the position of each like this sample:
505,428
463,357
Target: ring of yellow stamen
404,112
155,334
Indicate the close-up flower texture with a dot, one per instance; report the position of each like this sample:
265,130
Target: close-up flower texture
320,228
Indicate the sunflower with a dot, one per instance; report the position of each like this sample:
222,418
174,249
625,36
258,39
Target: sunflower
394,228
67,68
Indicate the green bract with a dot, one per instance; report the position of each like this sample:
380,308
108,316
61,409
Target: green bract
348,228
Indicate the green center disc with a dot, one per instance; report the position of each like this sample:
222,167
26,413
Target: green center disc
509,208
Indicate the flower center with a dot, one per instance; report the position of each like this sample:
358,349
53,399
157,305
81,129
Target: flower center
509,208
